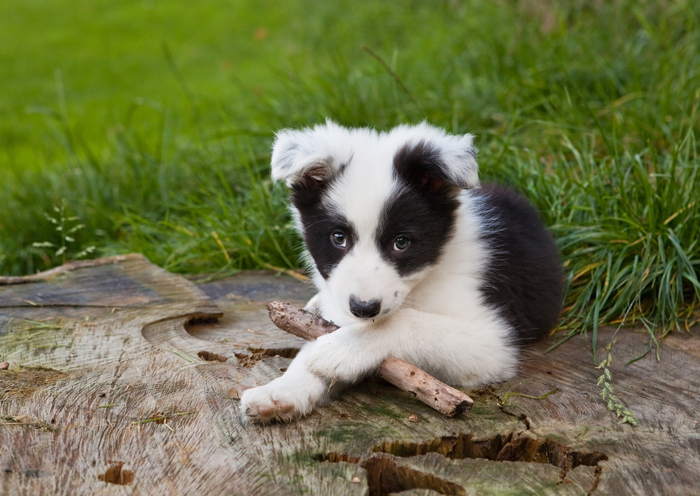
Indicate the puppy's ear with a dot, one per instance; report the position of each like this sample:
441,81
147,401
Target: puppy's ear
438,163
433,159
310,155
458,157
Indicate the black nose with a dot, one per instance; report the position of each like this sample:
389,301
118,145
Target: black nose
364,309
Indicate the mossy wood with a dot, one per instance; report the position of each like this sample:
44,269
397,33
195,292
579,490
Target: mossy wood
124,379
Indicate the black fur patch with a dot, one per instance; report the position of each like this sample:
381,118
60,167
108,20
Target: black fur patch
420,166
525,277
320,223
422,210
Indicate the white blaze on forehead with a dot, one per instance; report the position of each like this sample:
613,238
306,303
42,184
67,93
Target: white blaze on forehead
359,193
363,188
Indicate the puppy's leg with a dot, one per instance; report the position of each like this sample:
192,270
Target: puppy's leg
346,356
350,353
459,351
290,396
467,351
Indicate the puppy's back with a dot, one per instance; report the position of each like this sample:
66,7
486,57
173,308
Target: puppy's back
524,277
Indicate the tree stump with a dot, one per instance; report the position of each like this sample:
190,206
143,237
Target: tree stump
124,379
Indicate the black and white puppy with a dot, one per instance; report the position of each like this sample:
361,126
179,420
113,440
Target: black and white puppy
411,258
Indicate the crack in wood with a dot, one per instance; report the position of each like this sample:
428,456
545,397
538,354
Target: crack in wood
512,446
277,352
115,474
249,360
596,480
201,319
386,477
488,391
210,356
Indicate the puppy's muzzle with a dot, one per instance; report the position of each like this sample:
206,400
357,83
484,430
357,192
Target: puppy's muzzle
364,309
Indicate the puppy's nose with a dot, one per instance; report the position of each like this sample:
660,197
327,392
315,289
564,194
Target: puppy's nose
364,309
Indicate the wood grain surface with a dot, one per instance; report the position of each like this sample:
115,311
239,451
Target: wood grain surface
124,379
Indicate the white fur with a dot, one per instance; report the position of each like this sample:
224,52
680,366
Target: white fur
436,318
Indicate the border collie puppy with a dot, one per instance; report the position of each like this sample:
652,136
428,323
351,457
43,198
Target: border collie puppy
411,258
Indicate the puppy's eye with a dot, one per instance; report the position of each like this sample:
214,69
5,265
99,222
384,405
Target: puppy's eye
400,243
339,239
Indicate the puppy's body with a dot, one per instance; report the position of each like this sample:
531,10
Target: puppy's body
411,259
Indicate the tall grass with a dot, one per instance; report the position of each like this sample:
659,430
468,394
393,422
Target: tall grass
588,108
627,227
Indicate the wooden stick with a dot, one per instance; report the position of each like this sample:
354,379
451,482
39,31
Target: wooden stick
443,398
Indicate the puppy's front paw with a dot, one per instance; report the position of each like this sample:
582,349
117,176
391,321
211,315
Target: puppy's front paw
262,405
282,400
339,358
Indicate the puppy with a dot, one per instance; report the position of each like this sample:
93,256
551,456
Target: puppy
411,258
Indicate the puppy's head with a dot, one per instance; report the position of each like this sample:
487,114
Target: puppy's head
375,209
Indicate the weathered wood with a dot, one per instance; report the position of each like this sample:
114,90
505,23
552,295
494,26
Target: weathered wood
405,376
106,386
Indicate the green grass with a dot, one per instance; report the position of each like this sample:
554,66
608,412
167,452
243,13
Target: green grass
154,125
